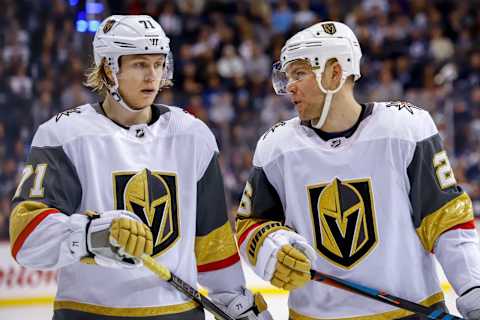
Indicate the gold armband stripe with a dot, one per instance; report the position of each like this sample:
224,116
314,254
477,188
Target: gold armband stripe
26,216
455,212
217,249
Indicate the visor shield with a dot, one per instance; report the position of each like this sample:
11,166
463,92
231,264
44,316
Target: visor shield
168,71
299,70
279,79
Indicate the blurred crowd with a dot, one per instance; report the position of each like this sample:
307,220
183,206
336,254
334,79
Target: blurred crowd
423,51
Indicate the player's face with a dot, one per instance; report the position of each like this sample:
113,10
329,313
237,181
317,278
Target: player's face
139,78
304,91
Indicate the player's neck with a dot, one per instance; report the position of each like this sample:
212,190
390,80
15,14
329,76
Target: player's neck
344,112
117,113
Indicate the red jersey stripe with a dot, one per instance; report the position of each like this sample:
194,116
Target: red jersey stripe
22,237
219,264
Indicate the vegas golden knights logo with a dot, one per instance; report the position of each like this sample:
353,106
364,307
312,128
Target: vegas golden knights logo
153,197
344,222
108,25
329,28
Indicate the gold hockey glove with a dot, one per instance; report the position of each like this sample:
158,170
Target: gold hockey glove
292,269
113,238
281,256
132,237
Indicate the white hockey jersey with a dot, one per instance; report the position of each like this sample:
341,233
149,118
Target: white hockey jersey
372,205
166,172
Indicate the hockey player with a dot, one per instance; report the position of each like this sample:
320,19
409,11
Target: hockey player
108,182
362,192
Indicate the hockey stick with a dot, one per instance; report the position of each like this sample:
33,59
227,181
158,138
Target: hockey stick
384,297
184,287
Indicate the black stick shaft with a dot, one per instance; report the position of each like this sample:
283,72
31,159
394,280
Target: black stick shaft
384,297
189,291
184,287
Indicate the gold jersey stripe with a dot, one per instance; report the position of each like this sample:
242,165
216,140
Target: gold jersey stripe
244,224
456,211
24,213
217,245
125,312
395,314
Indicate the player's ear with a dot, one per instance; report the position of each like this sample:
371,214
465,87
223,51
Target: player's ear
332,74
336,70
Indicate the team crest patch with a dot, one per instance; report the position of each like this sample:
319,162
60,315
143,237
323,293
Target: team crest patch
343,220
152,196
108,25
329,28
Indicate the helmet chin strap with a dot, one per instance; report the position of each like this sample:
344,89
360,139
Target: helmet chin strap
328,99
118,98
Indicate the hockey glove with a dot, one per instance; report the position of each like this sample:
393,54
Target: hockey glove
114,238
243,305
469,304
286,259
133,238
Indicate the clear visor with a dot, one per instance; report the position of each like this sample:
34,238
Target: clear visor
279,79
167,73
297,70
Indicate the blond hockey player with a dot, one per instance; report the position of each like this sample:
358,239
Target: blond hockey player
108,182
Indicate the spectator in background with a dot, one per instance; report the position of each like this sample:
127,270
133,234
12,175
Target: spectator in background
8,174
4,212
304,16
441,48
20,83
17,46
230,65
387,87
3,142
282,17
42,109
75,95
221,112
170,20
257,63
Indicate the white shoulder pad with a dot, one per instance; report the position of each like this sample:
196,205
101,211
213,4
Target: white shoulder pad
185,123
64,126
404,120
275,141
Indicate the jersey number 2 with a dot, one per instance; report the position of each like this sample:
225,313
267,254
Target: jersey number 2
37,190
443,170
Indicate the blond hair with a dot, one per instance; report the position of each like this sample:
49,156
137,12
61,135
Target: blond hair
98,80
